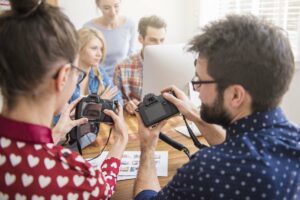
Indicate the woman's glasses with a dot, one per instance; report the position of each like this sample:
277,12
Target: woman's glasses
81,73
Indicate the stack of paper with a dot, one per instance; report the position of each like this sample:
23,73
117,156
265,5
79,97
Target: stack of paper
130,163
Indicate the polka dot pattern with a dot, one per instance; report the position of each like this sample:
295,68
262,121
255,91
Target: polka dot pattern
259,160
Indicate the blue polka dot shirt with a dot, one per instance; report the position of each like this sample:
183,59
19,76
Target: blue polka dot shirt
260,159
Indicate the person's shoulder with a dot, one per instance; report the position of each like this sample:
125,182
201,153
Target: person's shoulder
130,60
128,22
90,24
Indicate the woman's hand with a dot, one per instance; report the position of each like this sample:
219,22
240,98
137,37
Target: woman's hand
119,131
66,123
109,92
119,127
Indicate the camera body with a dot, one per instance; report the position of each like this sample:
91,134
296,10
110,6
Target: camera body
90,107
154,109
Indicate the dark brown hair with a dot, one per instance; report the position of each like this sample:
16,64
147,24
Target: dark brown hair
251,52
153,21
33,37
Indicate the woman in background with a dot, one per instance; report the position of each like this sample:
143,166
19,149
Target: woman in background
119,33
38,74
92,51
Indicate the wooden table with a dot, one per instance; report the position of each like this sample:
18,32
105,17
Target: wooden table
124,188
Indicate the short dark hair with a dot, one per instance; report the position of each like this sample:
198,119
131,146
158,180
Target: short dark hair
246,50
34,36
153,21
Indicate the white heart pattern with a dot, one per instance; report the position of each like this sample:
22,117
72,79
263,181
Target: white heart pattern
95,192
92,181
36,197
80,159
114,165
104,166
100,180
33,161
14,159
65,166
72,196
3,196
20,197
5,142
20,145
49,164
9,178
78,180
37,147
62,181
44,181
2,159
86,195
56,197
27,179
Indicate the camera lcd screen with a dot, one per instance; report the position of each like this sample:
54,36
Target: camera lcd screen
156,111
92,111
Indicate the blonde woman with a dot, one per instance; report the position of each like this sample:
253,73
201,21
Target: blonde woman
92,51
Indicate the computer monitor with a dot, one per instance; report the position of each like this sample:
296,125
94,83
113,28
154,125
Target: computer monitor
166,65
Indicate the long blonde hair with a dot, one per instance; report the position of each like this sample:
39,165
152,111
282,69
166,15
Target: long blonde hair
85,36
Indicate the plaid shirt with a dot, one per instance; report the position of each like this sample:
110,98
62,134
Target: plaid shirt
128,77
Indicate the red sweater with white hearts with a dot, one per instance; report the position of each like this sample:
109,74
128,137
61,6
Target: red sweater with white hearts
32,167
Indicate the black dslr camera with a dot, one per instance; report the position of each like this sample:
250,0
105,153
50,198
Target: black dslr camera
154,109
92,108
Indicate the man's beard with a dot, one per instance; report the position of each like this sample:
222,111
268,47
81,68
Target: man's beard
216,113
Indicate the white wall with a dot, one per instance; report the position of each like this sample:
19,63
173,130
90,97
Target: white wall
180,15
291,101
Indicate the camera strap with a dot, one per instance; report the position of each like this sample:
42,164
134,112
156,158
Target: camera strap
196,142
174,144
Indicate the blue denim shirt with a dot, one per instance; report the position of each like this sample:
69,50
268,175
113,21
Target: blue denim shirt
93,86
260,159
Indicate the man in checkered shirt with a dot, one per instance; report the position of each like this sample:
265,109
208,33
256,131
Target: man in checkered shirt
128,74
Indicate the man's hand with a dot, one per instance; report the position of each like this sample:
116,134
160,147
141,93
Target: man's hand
213,134
65,122
131,105
148,136
182,102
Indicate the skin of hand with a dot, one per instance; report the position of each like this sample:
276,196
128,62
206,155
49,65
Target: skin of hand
213,134
182,102
120,132
131,106
147,176
109,92
148,136
66,123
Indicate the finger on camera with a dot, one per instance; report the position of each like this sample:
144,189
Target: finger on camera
111,113
81,121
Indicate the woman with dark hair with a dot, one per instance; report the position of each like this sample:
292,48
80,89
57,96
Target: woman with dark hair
38,74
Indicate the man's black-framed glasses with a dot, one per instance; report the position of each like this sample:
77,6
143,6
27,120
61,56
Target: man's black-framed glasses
196,83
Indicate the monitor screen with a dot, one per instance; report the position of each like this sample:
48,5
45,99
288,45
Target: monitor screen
166,65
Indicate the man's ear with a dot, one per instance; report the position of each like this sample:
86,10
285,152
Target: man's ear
237,96
63,77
